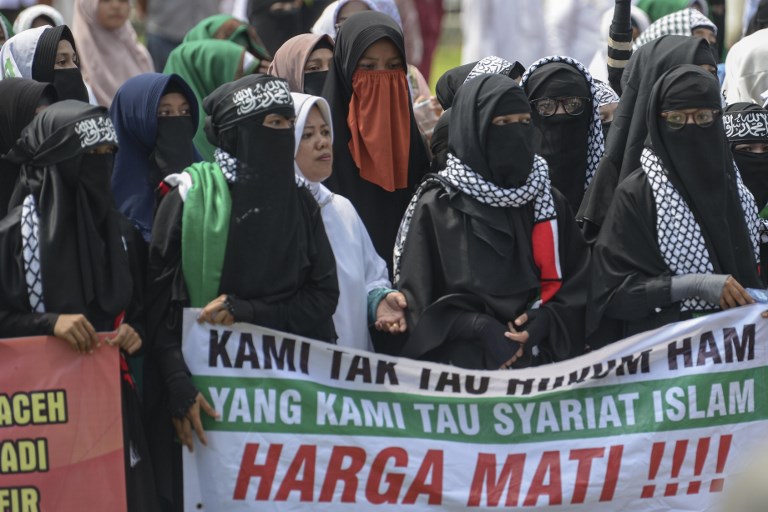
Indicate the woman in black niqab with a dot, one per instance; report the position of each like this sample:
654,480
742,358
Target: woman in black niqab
681,236
68,258
20,99
746,125
268,262
67,188
626,139
565,140
472,249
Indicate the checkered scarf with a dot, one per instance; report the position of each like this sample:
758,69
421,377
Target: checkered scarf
595,139
605,94
490,65
30,240
679,236
537,188
680,23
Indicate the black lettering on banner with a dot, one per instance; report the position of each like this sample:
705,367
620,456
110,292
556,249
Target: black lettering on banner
217,349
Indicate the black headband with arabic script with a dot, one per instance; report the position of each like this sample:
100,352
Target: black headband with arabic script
745,122
63,131
244,99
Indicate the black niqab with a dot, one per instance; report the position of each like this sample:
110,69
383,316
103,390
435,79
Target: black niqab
268,240
626,139
83,259
502,155
752,166
562,139
700,167
68,82
19,98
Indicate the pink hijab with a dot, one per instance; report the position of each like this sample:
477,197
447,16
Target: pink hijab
107,57
290,59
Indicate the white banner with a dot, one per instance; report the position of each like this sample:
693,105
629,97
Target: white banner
664,420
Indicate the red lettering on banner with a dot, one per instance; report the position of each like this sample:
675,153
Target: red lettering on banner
305,458
549,469
348,476
249,469
394,481
485,476
680,451
612,472
547,480
583,471
433,463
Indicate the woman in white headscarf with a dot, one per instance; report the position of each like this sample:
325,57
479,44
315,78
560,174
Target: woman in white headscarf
37,16
365,294
746,70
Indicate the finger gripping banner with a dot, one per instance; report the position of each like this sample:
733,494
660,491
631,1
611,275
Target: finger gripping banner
665,420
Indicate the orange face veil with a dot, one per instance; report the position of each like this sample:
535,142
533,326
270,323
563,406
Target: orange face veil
380,127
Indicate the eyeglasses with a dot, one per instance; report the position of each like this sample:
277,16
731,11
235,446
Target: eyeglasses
676,119
573,105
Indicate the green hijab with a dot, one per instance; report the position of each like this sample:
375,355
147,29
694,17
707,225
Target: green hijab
243,34
656,9
205,65
5,27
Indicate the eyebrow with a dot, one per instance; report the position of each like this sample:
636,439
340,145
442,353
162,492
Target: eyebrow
169,104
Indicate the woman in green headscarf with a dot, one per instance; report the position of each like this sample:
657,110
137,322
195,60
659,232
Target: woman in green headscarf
205,65
228,28
6,29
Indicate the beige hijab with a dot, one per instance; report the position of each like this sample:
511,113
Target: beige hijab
107,57
290,59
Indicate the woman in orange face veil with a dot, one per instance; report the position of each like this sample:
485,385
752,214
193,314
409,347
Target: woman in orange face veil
379,155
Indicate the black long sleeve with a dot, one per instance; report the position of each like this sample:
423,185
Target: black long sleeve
308,310
14,324
166,298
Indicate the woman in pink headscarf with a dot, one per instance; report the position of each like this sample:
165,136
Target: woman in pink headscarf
109,51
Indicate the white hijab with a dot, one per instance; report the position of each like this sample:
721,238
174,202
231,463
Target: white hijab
302,104
746,69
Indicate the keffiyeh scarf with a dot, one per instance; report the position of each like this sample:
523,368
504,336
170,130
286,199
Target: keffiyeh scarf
680,23
490,65
537,188
30,239
679,235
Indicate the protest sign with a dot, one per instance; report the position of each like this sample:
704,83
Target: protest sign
61,441
660,421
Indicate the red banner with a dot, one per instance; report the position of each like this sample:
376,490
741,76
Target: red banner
61,441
